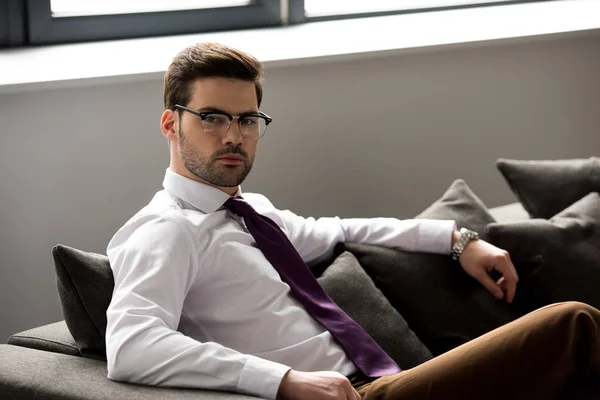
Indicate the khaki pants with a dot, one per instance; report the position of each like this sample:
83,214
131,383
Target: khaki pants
551,353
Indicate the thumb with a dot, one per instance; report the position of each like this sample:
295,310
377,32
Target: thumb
491,286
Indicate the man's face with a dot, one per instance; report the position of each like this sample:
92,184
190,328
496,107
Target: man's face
202,154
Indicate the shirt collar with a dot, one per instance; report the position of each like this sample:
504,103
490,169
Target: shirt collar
200,195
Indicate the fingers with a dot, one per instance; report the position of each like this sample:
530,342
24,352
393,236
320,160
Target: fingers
351,393
509,279
504,286
483,258
491,286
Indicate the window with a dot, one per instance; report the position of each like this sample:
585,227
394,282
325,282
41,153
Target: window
56,21
319,10
38,22
78,8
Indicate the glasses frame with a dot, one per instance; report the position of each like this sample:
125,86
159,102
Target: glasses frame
203,114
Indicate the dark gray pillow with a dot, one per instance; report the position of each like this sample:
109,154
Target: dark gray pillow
351,288
443,305
546,187
557,259
85,285
462,205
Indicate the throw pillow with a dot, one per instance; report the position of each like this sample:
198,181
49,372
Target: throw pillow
558,259
85,284
443,305
547,187
351,288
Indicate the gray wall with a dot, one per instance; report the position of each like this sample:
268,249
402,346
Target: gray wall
380,136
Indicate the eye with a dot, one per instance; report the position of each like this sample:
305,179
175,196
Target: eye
250,121
215,119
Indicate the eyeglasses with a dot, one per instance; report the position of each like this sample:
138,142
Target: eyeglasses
217,123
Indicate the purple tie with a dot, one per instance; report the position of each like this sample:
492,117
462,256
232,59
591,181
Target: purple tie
364,352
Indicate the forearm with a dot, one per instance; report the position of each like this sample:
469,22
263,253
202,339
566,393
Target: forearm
158,356
419,235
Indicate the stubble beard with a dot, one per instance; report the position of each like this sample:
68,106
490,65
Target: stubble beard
209,169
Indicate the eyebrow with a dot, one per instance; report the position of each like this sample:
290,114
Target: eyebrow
215,109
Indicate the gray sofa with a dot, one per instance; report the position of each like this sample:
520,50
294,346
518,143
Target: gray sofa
46,362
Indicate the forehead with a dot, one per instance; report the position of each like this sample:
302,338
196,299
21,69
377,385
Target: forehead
231,95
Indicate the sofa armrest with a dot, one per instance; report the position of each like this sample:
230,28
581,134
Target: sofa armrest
53,337
32,374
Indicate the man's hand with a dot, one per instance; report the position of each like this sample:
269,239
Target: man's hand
479,258
322,385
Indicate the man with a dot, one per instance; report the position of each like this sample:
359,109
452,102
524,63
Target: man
202,301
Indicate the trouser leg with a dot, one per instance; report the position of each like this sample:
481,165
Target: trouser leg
551,353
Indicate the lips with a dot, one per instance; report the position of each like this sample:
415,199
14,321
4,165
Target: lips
232,157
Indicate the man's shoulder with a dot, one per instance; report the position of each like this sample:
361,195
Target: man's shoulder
162,207
161,218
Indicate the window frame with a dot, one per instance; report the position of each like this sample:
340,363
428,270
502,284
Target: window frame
298,15
12,23
44,29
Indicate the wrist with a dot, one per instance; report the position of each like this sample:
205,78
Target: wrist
285,381
455,236
465,237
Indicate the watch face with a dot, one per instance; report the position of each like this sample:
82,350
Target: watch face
471,234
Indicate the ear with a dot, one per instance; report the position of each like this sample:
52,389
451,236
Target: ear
169,123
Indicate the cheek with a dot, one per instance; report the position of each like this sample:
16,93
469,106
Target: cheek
203,144
251,148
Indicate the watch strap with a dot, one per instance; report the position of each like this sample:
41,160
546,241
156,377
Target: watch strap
465,237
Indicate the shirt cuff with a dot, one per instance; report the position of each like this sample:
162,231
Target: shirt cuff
261,377
435,236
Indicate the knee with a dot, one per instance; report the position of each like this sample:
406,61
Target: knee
576,307
576,310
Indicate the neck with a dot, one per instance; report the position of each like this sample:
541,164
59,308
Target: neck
185,172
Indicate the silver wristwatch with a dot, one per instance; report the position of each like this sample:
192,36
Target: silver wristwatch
465,237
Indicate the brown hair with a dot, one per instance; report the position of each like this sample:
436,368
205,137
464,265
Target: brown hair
208,60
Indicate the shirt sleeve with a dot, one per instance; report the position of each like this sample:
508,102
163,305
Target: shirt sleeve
316,238
154,263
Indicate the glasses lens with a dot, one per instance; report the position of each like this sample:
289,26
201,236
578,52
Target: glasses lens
215,124
253,127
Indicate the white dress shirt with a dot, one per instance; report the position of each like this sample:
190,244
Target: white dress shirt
196,304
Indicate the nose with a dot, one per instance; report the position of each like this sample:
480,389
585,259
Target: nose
233,135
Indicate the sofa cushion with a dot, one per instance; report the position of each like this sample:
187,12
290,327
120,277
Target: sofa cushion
351,288
547,187
53,337
85,284
557,259
32,374
443,305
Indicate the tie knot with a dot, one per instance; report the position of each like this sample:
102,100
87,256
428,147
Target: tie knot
238,206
